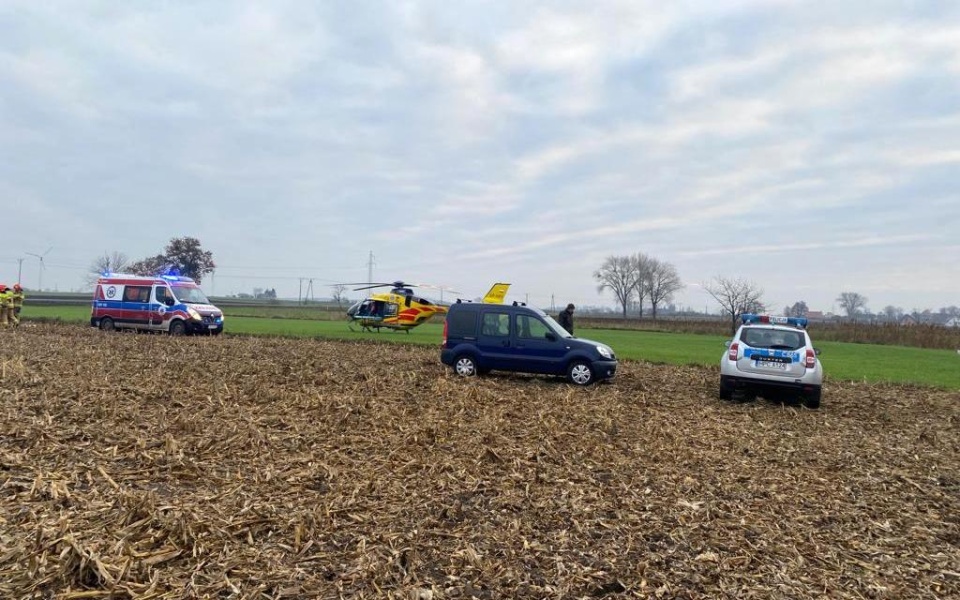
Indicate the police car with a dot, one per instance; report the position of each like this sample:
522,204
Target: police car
772,354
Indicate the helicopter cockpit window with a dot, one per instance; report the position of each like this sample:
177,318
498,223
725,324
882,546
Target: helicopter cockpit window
495,324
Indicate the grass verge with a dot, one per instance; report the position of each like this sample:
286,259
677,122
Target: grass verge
844,361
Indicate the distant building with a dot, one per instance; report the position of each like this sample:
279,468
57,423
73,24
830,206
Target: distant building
908,320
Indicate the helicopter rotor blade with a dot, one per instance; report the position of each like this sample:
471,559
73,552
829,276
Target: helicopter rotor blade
367,285
370,286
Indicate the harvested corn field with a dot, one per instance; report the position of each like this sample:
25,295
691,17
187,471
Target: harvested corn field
141,466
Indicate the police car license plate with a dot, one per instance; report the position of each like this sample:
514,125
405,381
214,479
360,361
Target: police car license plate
772,364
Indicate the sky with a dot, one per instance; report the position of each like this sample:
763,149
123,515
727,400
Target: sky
810,148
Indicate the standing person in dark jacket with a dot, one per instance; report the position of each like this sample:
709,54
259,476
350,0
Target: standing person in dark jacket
566,318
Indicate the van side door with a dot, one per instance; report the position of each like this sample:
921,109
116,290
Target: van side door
136,305
493,342
538,345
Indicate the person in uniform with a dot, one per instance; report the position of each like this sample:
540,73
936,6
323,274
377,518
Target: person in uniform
6,305
18,297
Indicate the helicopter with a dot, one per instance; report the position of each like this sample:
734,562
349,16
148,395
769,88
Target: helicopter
400,309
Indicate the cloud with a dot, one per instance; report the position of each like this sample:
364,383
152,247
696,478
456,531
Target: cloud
524,140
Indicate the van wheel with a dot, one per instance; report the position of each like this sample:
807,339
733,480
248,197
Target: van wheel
106,324
580,373
178,328
465,366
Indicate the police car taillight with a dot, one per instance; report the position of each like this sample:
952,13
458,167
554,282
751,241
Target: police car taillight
733,351
811,359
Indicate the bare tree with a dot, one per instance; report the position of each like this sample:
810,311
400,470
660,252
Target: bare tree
643,274
663,283
109,262
892,312
617,274
852,303
338,294
736,297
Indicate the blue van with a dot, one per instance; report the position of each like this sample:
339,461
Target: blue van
480,337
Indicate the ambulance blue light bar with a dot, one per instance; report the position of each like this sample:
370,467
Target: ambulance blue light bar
180,278
800,322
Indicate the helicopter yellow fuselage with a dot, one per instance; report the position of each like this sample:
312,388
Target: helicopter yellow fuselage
395,311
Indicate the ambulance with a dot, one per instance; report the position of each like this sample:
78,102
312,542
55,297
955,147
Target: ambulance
169,303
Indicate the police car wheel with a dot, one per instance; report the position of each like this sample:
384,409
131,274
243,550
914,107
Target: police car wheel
726,390
106,324
580,373
465,366
812,400
178,328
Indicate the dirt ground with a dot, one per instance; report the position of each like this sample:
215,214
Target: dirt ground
144,466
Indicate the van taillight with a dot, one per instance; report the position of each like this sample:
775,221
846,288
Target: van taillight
443,342
732,353
811,358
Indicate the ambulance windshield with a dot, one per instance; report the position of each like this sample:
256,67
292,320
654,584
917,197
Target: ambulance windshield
190,295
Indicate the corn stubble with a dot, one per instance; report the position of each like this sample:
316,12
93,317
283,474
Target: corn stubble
141,466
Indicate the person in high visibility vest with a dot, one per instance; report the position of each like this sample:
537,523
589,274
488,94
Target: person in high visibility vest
18,297
6,305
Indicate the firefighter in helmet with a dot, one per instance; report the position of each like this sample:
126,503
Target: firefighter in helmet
6,305
18,297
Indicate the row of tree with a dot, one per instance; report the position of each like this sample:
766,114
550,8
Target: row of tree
854,304
636,278
182,254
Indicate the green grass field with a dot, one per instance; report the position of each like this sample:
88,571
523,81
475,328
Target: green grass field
854,362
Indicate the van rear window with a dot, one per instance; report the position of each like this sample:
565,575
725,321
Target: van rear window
462,323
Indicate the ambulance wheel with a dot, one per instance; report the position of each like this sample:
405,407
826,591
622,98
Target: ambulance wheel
178,328
106,324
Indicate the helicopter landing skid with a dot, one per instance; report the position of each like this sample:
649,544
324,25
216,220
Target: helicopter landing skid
363,327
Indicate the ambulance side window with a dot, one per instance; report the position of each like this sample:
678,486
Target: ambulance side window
136,293
164,296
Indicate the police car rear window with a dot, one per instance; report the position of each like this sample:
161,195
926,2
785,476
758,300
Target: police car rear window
772,338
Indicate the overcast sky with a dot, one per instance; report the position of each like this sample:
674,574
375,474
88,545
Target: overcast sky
810,147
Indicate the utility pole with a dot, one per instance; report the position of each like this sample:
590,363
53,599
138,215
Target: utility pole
300,292
20,270
370,268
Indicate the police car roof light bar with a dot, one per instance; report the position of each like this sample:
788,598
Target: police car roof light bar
799,322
